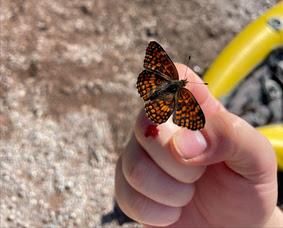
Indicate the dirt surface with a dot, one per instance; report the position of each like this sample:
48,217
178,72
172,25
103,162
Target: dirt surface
68,97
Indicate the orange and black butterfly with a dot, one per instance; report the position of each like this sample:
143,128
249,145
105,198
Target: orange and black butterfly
159,85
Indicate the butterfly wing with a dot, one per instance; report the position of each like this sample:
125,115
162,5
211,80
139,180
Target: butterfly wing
188,112
149,83
161,108
156,59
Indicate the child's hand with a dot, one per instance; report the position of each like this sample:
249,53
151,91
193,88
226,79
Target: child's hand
223,176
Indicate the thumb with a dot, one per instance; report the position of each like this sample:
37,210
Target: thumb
231,140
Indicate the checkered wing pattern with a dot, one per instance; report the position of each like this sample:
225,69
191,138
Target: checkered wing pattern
156,59
160,109
148,83
188,112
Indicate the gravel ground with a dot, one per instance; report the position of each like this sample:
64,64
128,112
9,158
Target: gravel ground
68,99
259,98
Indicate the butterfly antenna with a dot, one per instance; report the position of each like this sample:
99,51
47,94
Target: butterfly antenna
187,67
203,83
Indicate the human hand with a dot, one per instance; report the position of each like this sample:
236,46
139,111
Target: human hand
221,176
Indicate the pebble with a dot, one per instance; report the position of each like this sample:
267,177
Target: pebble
11,218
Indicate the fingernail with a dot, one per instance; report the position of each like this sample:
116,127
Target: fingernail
189,144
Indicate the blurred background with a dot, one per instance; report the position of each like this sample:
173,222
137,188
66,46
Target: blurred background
68,99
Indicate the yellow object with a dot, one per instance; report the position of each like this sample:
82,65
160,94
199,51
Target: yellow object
246,51
275,135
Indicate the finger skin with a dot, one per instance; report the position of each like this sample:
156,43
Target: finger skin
148,179
139,207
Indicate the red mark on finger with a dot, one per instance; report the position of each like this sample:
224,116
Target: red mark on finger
151,130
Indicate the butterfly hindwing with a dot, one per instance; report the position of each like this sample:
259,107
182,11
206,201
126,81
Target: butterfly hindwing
156,59
188,112
161,108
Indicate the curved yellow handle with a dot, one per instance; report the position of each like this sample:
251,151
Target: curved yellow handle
275,135
245,51
248,49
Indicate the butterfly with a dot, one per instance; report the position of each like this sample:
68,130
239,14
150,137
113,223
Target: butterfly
159,85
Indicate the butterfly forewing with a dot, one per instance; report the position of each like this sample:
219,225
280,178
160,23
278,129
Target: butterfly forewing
156,59
188,113
160,109
148,83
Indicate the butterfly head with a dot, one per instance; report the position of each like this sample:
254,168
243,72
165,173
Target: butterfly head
184,82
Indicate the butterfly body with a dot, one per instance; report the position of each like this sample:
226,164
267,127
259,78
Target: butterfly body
169,87
159,85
